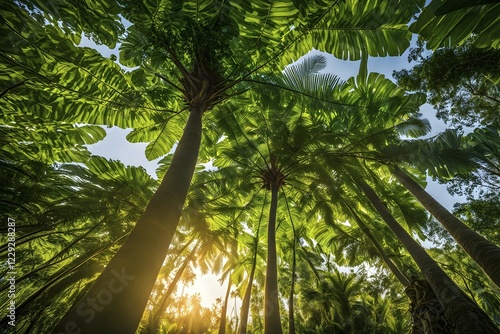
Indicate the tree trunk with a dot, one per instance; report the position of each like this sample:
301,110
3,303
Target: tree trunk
291,317
426,310
116,301
392,266
464,315
428,316
272,320
485,253
222,325
245,306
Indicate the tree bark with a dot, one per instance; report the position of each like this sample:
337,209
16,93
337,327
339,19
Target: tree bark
427,313
245,306
485,253
222,325
426,310
291,317
462,313
116,301
272,320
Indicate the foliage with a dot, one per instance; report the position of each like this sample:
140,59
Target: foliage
462,83
346,303
448,23
70,219
263,122
482,215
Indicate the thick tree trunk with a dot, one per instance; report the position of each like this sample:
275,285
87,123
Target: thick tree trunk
464,315
485,253
245,306
428,316
117,299
426,310
291,316
272,321
222,324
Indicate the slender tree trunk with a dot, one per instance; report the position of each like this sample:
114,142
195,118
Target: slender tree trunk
311,265
222,325
235,307
291,317
485,253
392,266
245,306
116,301
180,306
272,320
154,324
426,310
464,315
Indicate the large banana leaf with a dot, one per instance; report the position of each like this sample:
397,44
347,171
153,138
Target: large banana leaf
98,19
453,5
351,28
445,24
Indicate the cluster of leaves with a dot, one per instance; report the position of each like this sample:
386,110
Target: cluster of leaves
351,302
450,23
70,219
462,83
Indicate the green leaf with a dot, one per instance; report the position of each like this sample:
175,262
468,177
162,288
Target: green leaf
454,27
453,5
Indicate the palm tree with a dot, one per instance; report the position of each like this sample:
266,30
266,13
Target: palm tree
351,209
215,40
444,156
335,305
254,249
271,156
484,252
464,314
377,128
155,316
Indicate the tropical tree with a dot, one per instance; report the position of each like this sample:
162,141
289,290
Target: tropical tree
414,128
293,142
205,64
453,299
154,317
196,52
480,249
461,83
349,212
339,304
65,210
252,244
443,156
